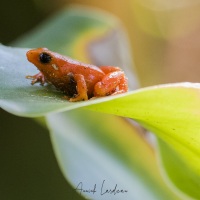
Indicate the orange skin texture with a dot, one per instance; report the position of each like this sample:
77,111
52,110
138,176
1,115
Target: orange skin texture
78,81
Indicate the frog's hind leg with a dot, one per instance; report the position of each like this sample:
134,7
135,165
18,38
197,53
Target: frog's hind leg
37,78
81,88
112,83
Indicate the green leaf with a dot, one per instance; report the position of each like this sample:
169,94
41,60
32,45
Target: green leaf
176,171
170,111
93,147
153,107
19,97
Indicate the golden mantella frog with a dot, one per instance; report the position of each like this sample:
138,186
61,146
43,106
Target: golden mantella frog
78,81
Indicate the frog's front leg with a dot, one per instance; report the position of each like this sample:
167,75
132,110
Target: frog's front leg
112,83
81,88
37,78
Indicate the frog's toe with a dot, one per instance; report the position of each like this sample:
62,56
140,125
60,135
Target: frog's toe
38,78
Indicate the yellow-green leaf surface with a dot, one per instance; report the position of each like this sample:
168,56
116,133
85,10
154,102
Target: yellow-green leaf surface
175,169
170,111
93,147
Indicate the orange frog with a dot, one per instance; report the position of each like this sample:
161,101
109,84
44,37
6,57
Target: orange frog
78,81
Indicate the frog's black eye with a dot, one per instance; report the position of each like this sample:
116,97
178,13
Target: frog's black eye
44,58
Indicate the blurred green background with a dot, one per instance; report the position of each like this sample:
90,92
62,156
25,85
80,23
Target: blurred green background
165,42
28,167
164,35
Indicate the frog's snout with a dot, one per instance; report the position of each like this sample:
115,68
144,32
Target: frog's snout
30,56
33,55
